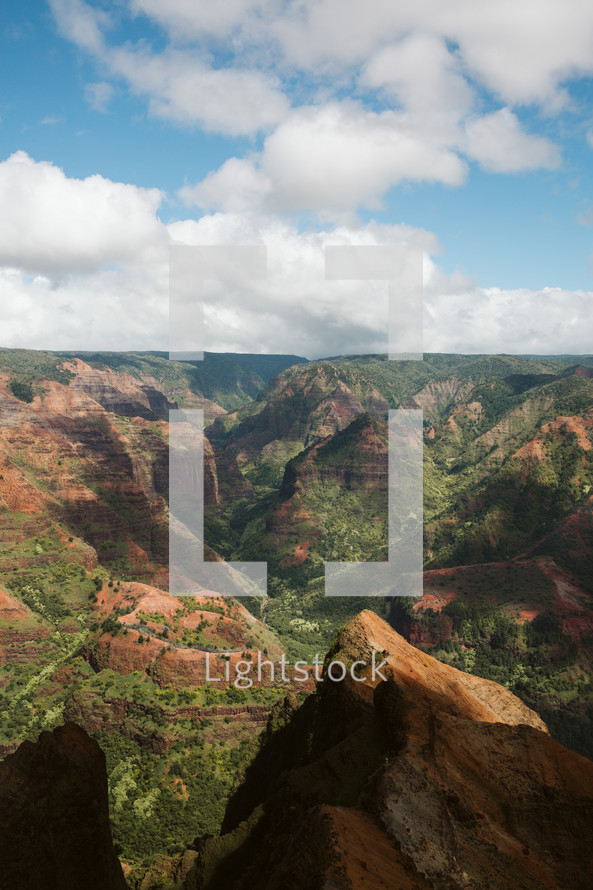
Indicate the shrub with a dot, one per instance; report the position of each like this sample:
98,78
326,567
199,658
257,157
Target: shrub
21,390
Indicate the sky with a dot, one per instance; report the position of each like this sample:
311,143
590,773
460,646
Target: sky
461,127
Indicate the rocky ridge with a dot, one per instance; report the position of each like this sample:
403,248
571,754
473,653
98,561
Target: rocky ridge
427,778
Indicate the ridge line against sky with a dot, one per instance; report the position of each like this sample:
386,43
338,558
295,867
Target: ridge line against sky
462,127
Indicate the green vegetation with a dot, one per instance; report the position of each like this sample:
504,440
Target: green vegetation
537,661
508,488
21,389
32,365
159,805
56,591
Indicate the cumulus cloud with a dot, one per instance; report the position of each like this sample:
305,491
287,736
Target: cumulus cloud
237,186
83,262
338,156
182,88
84,265
80,23
415,69
331,158
180,85
551,321
117,309
53,225
342,156
423,74
522,52
186,19
500,145
296,310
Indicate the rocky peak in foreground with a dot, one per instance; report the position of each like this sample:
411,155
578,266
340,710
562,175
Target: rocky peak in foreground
422,680
54,816
429,778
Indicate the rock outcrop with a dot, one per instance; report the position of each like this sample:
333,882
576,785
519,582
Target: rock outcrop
354,458
419,777
437,396
54,816
302,409
120,393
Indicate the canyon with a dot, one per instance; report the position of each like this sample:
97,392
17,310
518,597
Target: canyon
295,459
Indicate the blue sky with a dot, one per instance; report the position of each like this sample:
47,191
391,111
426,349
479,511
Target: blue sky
128,125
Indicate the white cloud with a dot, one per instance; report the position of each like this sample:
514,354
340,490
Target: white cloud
296,310
80,23
53,225
238,186
422,74
83,262
337,157
232,68
117,309
552,321
128,309
522,51
179,85
332,159
183,89
99,95
500,145
341,156
186,19
84,266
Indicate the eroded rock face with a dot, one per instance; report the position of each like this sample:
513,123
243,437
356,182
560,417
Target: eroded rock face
54,816
428,778
117,392
438,395
302,411
365,465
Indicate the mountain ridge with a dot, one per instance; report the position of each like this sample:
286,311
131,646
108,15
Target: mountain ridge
409,763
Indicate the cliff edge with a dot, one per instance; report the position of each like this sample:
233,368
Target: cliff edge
419,777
